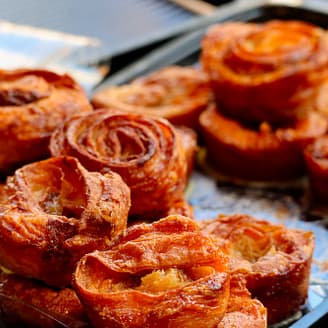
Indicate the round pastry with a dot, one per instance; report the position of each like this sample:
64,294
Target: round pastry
316,158
149,154
164,274
30,304
262,153
243,311
266,72
274,260
55,211
32,104
178,94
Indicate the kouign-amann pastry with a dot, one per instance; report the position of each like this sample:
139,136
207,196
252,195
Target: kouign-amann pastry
53,212
32,104
262,153
266,72
316,157
164,274
30,304
149,154
176,93
274,260
243,311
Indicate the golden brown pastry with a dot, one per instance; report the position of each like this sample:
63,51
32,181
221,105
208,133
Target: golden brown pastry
164,274
27,303
316,158
260,153
149,153
274,260
266,72
55,211
243,311
32,104
176,93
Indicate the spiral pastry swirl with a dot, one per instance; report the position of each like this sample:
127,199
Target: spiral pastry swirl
147,152
53,212
266,72
164,274
178,94
32,104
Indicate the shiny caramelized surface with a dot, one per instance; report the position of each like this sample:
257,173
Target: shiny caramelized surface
32,104
260,152
176,93
166,273
152,156
243,311
53,212
283,63
274,260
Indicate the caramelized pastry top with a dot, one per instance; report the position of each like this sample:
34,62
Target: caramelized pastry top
53,212
165,273
152,156
258,152
266,72
32,104
176,93
274,260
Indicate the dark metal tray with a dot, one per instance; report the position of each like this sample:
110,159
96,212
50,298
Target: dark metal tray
209,197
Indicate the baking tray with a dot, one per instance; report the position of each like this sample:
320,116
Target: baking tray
210,197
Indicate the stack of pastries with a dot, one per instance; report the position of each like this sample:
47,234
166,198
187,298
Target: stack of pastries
99,233
266,79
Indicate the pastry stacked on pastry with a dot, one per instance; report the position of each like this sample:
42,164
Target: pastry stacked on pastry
265,78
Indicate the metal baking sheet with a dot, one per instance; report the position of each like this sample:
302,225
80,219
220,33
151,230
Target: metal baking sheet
209,197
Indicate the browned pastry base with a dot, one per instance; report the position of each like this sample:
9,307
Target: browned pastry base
267,72
32,105
151,156
274,260
30,304
316,157
178,94
55,211
164,274
243,311
262,153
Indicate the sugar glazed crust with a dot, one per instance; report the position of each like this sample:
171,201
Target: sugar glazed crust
53,212
260,152
151,156
265,72
32,104
274,260
243,311
178,94
30,304
164,274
